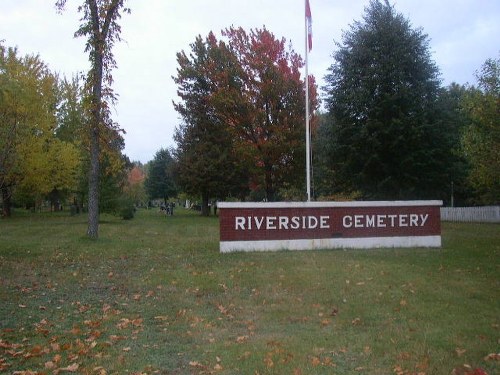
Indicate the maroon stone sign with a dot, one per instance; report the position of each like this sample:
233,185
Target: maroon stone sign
323,225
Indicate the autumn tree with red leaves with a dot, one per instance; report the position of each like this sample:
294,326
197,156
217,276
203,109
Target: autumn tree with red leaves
270,125
249,91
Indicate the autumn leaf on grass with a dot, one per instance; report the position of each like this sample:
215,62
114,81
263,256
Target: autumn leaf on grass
71,368
460,351
224,311
241,339
196,364
125,323
356,322
268,361
492,357
315,361
3,364
218,367
50,365
404,356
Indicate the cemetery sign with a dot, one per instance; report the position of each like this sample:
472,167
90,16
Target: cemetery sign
325,225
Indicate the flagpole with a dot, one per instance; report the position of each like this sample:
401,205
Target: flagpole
308,146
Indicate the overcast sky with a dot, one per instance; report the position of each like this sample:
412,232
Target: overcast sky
463,34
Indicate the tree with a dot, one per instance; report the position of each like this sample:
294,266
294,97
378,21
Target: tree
135,188
243,109
100,26
206,161
266,115
33,161
159,182
481,140
388,139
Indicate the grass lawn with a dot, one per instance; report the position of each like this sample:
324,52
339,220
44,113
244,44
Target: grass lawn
154,296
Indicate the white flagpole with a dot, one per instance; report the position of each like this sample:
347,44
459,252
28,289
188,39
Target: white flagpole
308,146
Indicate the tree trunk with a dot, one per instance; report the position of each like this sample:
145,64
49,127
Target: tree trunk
205,210
270,194
93,203
6,212
96,76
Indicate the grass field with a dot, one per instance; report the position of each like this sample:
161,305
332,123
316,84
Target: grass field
154,296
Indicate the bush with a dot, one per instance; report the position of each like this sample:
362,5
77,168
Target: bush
127,210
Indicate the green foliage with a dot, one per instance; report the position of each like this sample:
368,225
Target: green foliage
99,24
127,208
481,140
159,181
33,161
387,138
206,162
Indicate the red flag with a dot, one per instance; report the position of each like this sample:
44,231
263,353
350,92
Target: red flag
309,26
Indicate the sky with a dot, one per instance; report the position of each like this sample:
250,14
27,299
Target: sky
462,34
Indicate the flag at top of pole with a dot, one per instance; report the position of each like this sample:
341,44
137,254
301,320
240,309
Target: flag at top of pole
309,26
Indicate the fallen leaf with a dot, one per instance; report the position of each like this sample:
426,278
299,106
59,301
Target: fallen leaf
492,357
100,370
398,370
241,339
117,338
356,322
404,356
71,368
268,361
315,361
196,364
460,351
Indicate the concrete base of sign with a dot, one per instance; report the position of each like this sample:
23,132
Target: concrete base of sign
328,225
331,243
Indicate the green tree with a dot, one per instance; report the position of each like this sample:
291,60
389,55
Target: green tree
481,140
33,162
100,27
388,139
159,181
207,164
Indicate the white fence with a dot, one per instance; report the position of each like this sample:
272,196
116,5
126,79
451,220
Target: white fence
486,214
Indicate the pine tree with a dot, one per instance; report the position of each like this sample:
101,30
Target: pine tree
388,139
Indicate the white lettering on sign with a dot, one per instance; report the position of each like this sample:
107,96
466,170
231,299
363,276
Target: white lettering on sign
383,221
281,222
